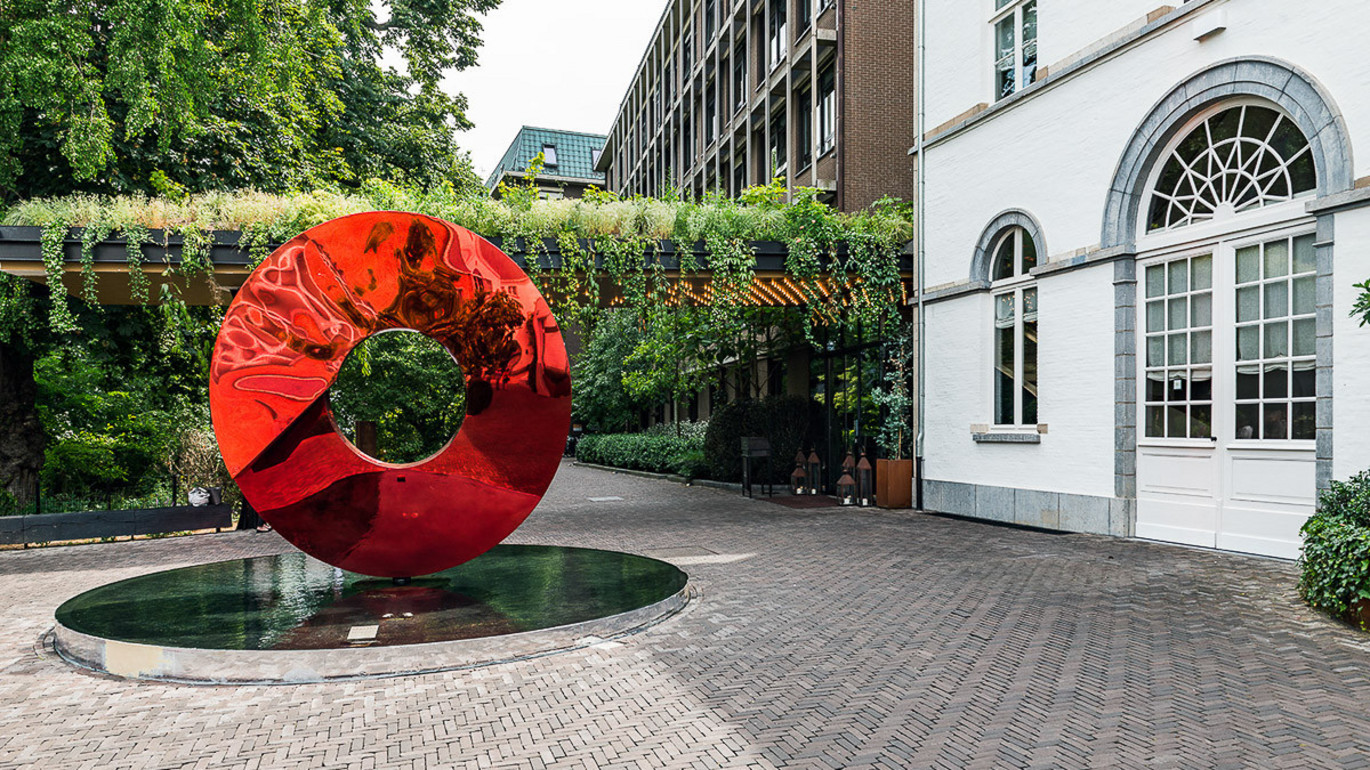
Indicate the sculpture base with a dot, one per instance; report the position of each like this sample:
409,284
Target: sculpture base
290,618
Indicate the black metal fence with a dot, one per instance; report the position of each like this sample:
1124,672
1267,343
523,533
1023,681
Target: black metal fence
87,525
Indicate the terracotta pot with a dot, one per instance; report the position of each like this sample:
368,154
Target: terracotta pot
894,483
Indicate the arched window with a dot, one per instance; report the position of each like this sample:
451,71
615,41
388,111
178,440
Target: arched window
1015,329
1239,159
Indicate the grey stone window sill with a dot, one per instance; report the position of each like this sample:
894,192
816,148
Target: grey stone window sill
1007,438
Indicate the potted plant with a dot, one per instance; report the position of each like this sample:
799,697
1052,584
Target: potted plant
894,472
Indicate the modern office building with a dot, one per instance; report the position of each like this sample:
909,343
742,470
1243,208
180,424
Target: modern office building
733,93
1144,226
568,162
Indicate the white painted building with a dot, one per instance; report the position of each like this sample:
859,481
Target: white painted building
1143,227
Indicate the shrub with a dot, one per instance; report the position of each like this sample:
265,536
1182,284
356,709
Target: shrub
1336,548
644,452
695,431
784,421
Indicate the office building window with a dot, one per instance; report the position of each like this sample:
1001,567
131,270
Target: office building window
779,43
778,144
710,114
804,127
739,77
827,110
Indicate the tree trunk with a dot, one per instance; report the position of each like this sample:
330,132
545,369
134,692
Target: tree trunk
22,440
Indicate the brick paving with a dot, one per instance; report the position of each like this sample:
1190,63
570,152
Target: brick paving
819,638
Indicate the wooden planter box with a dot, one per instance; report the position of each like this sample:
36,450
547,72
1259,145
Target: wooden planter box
894,483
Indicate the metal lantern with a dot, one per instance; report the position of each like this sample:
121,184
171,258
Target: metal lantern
815,469
798,480
865,481
846,490
849,464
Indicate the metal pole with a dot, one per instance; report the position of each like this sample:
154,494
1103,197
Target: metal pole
920,241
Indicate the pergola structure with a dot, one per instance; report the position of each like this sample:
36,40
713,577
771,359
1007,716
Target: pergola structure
21,255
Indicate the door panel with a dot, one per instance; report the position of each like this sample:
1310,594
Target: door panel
1177,495
1269,478
1253,486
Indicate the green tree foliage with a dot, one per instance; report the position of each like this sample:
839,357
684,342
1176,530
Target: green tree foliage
114,400
1362,306
409,386
120,96
601,401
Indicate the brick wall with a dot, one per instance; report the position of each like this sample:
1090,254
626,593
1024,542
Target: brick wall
879,110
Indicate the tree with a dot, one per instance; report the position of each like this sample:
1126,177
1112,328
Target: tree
601,402
409,386
95,411
176,96
111,96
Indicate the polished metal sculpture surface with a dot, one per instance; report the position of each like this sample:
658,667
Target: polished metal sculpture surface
283,340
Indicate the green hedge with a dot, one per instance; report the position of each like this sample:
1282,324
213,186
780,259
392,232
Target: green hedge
643,452
1336,548
782,420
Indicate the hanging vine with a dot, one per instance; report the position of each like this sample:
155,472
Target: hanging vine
53,245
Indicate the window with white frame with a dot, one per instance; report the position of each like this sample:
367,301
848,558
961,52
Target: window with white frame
1015,45
1276,285
1179,348
1238,159
1015,329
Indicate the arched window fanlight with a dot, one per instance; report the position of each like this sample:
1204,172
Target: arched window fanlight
1015,255
1239,159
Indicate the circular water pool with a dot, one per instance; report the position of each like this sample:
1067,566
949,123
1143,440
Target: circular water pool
291,618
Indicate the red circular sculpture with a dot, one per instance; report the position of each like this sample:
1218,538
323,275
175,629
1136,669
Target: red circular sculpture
283,341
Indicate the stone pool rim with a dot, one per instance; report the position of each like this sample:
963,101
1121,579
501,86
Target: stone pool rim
216,666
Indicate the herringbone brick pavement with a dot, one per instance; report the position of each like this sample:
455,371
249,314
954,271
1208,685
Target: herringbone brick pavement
826,639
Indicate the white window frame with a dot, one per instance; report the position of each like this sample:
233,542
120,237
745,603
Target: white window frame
1013,10
1018,286
1273,211
1217,306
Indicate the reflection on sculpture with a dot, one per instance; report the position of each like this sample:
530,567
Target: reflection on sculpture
284,338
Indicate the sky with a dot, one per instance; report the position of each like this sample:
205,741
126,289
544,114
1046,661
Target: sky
552,64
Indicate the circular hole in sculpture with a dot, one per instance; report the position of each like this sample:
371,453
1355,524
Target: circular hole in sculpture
400,397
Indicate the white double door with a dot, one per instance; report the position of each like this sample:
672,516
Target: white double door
1226,395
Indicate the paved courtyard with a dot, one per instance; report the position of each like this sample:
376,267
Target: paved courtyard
819,638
